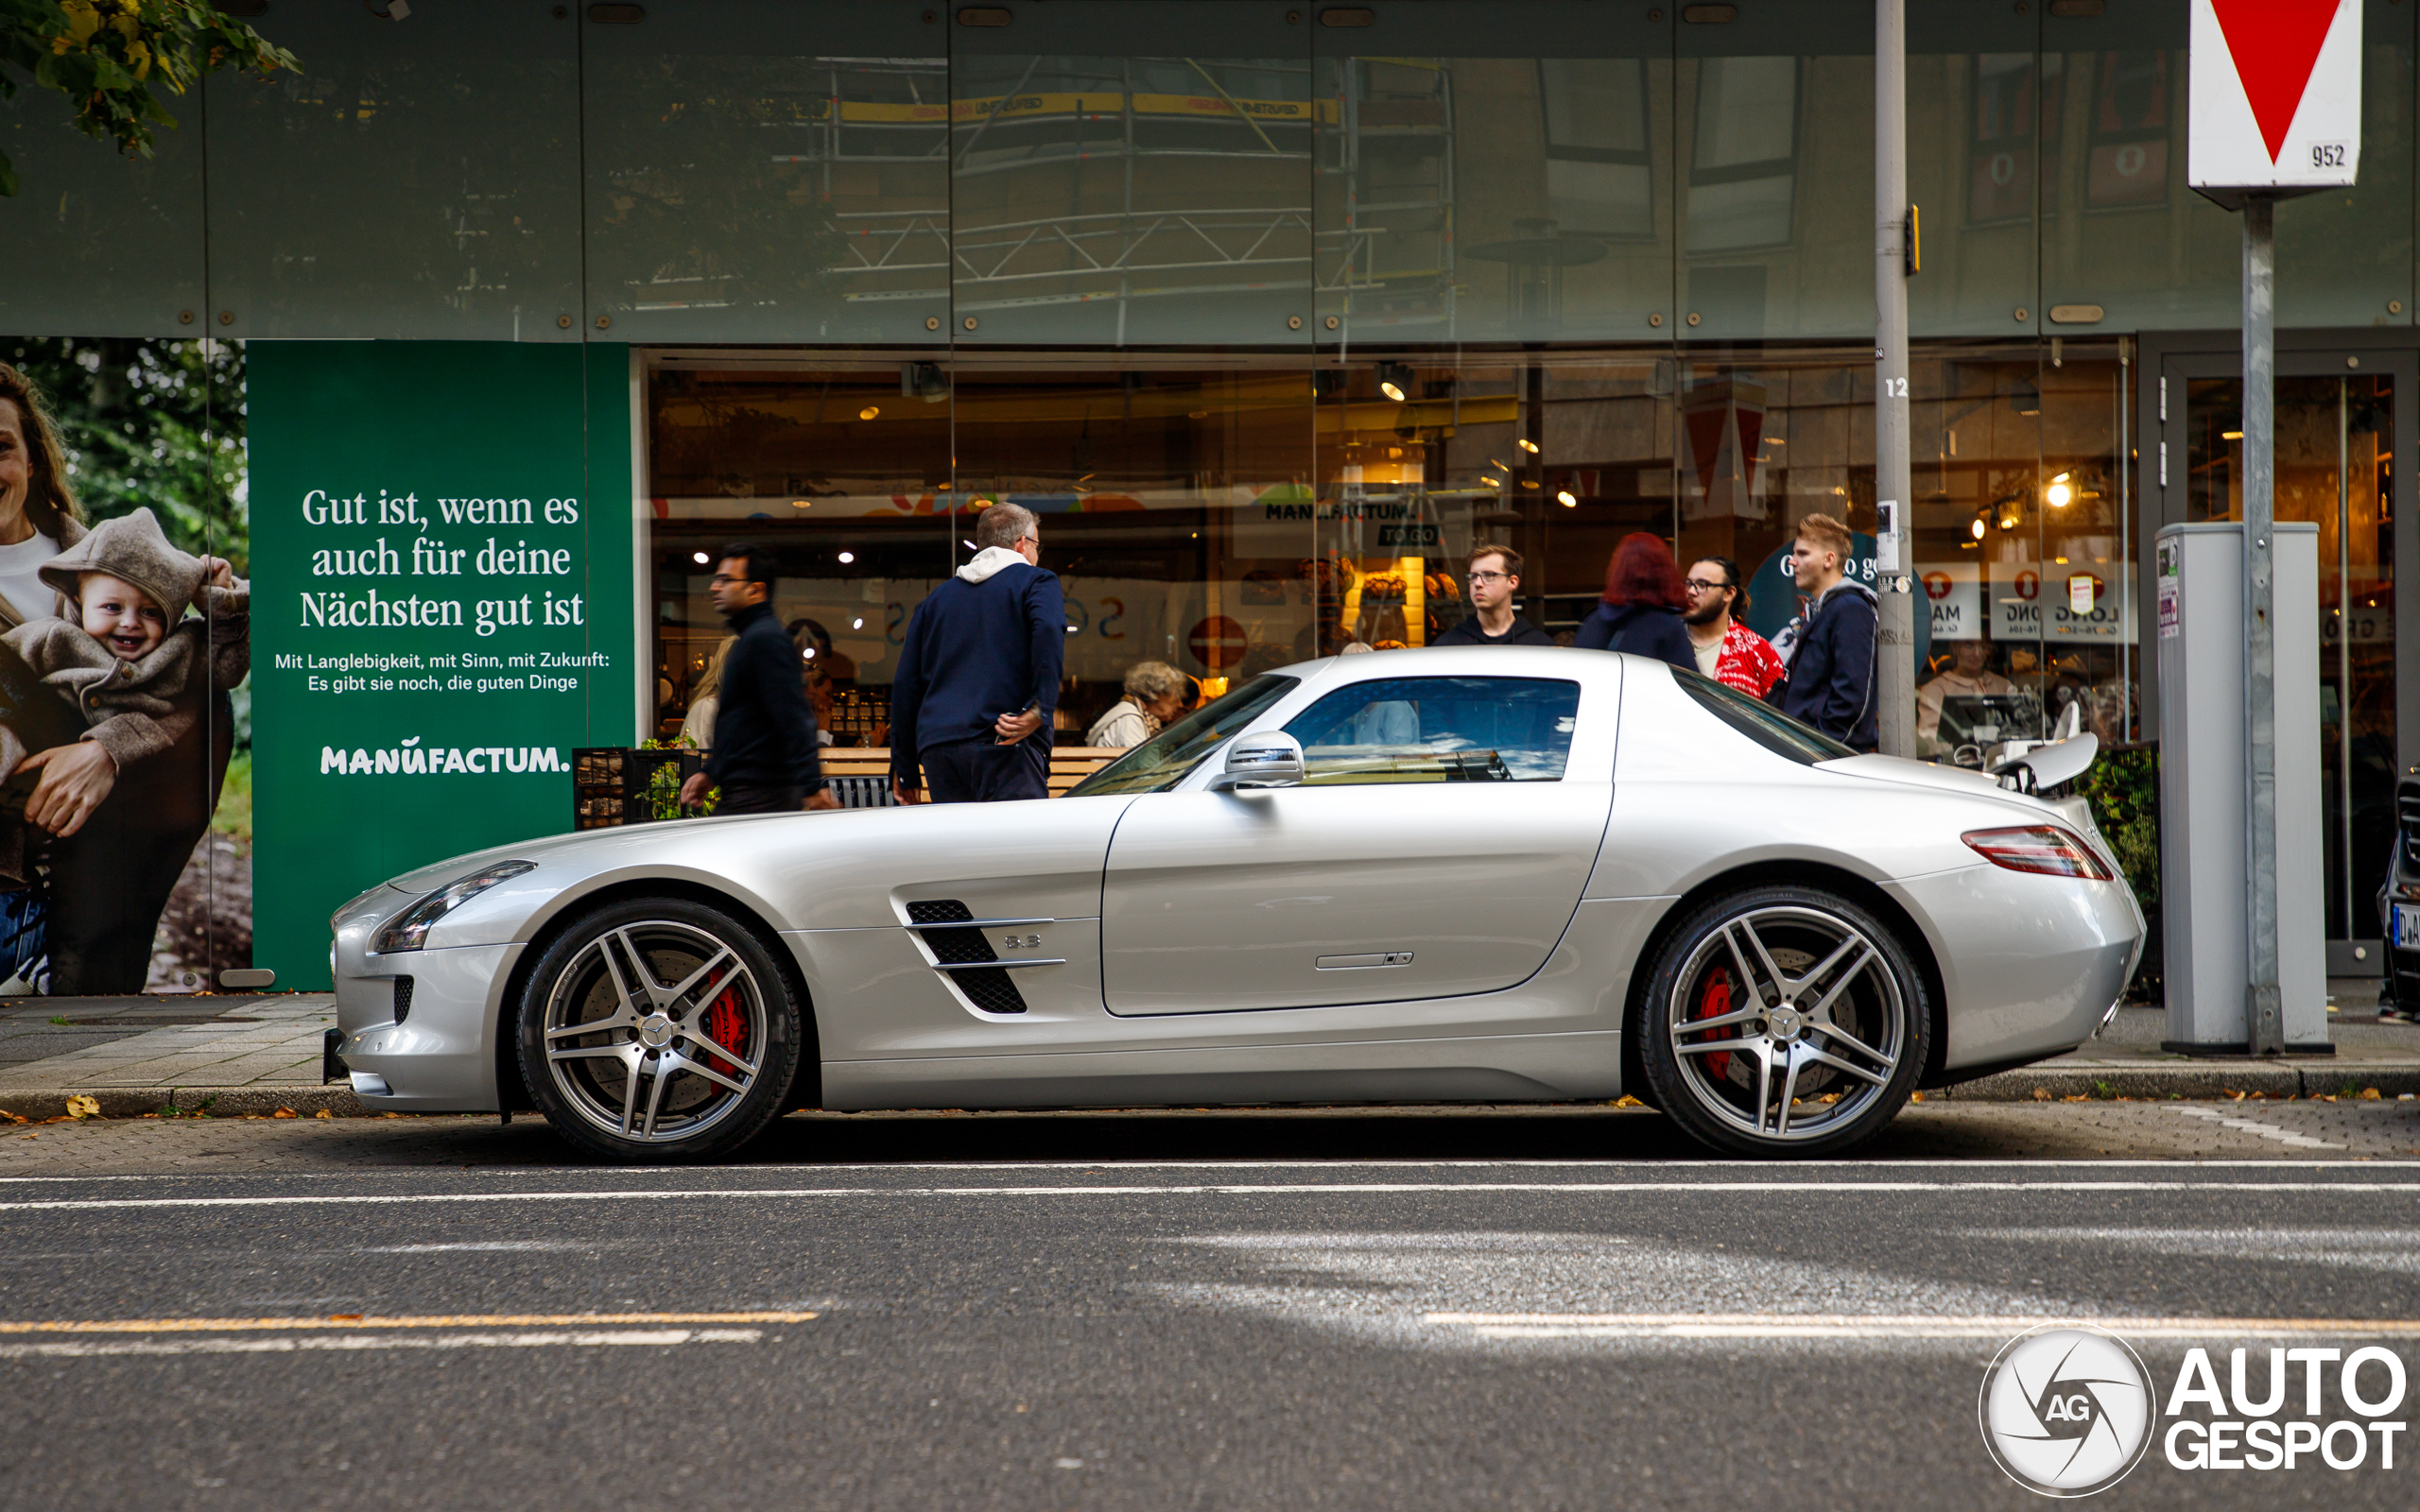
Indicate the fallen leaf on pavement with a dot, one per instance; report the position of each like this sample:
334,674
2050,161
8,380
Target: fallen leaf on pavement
324,1113
285,1112
81,1107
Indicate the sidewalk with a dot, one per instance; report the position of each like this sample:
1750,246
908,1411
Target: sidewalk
256,1054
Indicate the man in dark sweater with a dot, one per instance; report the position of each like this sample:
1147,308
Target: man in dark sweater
763,756
1495,577
979,674
1831,665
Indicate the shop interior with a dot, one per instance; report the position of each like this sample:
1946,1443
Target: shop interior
1226,513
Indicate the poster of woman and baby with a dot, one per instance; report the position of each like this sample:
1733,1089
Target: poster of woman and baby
117,654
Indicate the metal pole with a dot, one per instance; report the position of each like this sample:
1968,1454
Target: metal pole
2263,1006
1894,641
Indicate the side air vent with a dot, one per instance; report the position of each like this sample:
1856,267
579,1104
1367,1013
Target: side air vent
991,992
403,998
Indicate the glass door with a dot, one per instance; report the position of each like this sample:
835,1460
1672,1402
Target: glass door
2335,469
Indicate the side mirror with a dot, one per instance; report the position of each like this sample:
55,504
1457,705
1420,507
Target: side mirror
1274,760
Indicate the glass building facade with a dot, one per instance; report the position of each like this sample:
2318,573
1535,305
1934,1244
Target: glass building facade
1274,308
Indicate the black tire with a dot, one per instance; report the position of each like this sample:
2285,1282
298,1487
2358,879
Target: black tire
1822,1057
658,1030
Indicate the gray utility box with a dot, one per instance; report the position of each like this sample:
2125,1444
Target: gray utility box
2201,736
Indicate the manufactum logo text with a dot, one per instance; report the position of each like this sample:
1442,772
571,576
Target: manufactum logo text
411,758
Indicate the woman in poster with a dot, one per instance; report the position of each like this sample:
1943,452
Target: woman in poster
118,835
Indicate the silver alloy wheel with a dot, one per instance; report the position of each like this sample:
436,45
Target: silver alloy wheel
1787,1022
632,1027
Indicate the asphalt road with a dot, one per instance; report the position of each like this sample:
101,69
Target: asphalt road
1209,1311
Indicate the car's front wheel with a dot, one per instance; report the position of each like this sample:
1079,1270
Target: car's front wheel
658,1030
1784,1020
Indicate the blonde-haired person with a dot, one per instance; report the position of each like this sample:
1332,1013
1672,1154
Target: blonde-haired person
705,700
1831,663
1154,695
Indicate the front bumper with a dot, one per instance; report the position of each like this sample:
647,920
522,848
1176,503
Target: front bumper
441,1057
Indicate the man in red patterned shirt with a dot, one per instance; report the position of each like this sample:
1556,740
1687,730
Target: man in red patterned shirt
1727,650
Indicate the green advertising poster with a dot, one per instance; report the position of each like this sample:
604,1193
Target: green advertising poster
443,608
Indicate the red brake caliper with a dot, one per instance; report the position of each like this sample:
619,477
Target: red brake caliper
1713,1004
727,1026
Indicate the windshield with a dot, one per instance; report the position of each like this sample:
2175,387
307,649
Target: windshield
1162,761
1761,722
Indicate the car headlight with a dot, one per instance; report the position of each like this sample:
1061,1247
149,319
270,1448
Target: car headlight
407,929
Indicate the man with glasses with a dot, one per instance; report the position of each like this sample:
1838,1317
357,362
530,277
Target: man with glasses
1727,650
763,756
979,673
1495,577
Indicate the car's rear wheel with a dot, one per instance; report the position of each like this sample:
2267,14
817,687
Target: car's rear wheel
1784,1021
658,1030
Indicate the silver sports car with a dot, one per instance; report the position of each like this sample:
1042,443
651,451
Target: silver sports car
1447,875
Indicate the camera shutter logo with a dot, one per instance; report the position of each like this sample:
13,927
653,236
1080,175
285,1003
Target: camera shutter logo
2067,1410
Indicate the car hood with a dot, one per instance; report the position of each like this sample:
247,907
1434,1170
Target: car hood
540,847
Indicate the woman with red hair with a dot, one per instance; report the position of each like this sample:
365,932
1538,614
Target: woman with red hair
1641,613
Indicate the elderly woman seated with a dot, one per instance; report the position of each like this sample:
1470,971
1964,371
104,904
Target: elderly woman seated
1155,693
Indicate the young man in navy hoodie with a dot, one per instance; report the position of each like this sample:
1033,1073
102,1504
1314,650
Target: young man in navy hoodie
1831,666
979,674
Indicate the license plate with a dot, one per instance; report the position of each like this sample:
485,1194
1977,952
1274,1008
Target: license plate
2406,927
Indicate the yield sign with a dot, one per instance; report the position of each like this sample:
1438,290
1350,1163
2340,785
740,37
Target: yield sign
2274,44
2276,94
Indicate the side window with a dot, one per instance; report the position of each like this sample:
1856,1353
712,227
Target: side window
1439,730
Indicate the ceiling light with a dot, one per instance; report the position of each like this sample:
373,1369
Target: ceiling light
1977,530
847,556
2231,436
857,625
968,545
2061,478
801,503
1394,381
1564,498
869,412
2058,494
1494,463
1525,444
701,558
1528,483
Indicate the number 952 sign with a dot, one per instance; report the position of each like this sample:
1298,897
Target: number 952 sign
2276,96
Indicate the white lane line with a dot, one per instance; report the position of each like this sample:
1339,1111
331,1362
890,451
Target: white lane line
1916,1326
1282,1189
354,1342
2267,1131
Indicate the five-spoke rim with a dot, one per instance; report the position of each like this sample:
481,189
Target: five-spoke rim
655,1031
1787,1022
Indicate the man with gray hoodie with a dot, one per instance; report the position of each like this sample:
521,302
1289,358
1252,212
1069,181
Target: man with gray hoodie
979,674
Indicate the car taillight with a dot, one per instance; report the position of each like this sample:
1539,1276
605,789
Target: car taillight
2041,847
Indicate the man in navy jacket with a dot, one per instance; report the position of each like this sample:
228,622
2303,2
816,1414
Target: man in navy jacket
1831,667
979,674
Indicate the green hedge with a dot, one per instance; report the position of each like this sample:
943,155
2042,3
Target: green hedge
2123,789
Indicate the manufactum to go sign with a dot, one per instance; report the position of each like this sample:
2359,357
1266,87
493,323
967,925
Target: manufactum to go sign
2277,95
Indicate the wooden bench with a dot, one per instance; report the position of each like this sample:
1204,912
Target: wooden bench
870,765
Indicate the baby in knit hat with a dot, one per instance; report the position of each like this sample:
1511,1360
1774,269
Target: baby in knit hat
123,656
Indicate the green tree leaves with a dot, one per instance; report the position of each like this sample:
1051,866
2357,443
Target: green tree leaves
109,55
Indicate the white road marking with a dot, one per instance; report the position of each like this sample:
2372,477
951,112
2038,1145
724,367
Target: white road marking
352,1342
2267,1131
1852,1326
1201,1189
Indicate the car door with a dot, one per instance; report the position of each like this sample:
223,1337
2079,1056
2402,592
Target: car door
1437,845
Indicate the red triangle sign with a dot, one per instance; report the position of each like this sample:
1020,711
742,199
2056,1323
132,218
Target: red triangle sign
2274,45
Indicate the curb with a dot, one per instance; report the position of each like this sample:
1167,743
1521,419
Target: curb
2192,1079
2195,1080
217,1102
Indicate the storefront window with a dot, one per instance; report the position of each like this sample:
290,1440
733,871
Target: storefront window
1227,516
